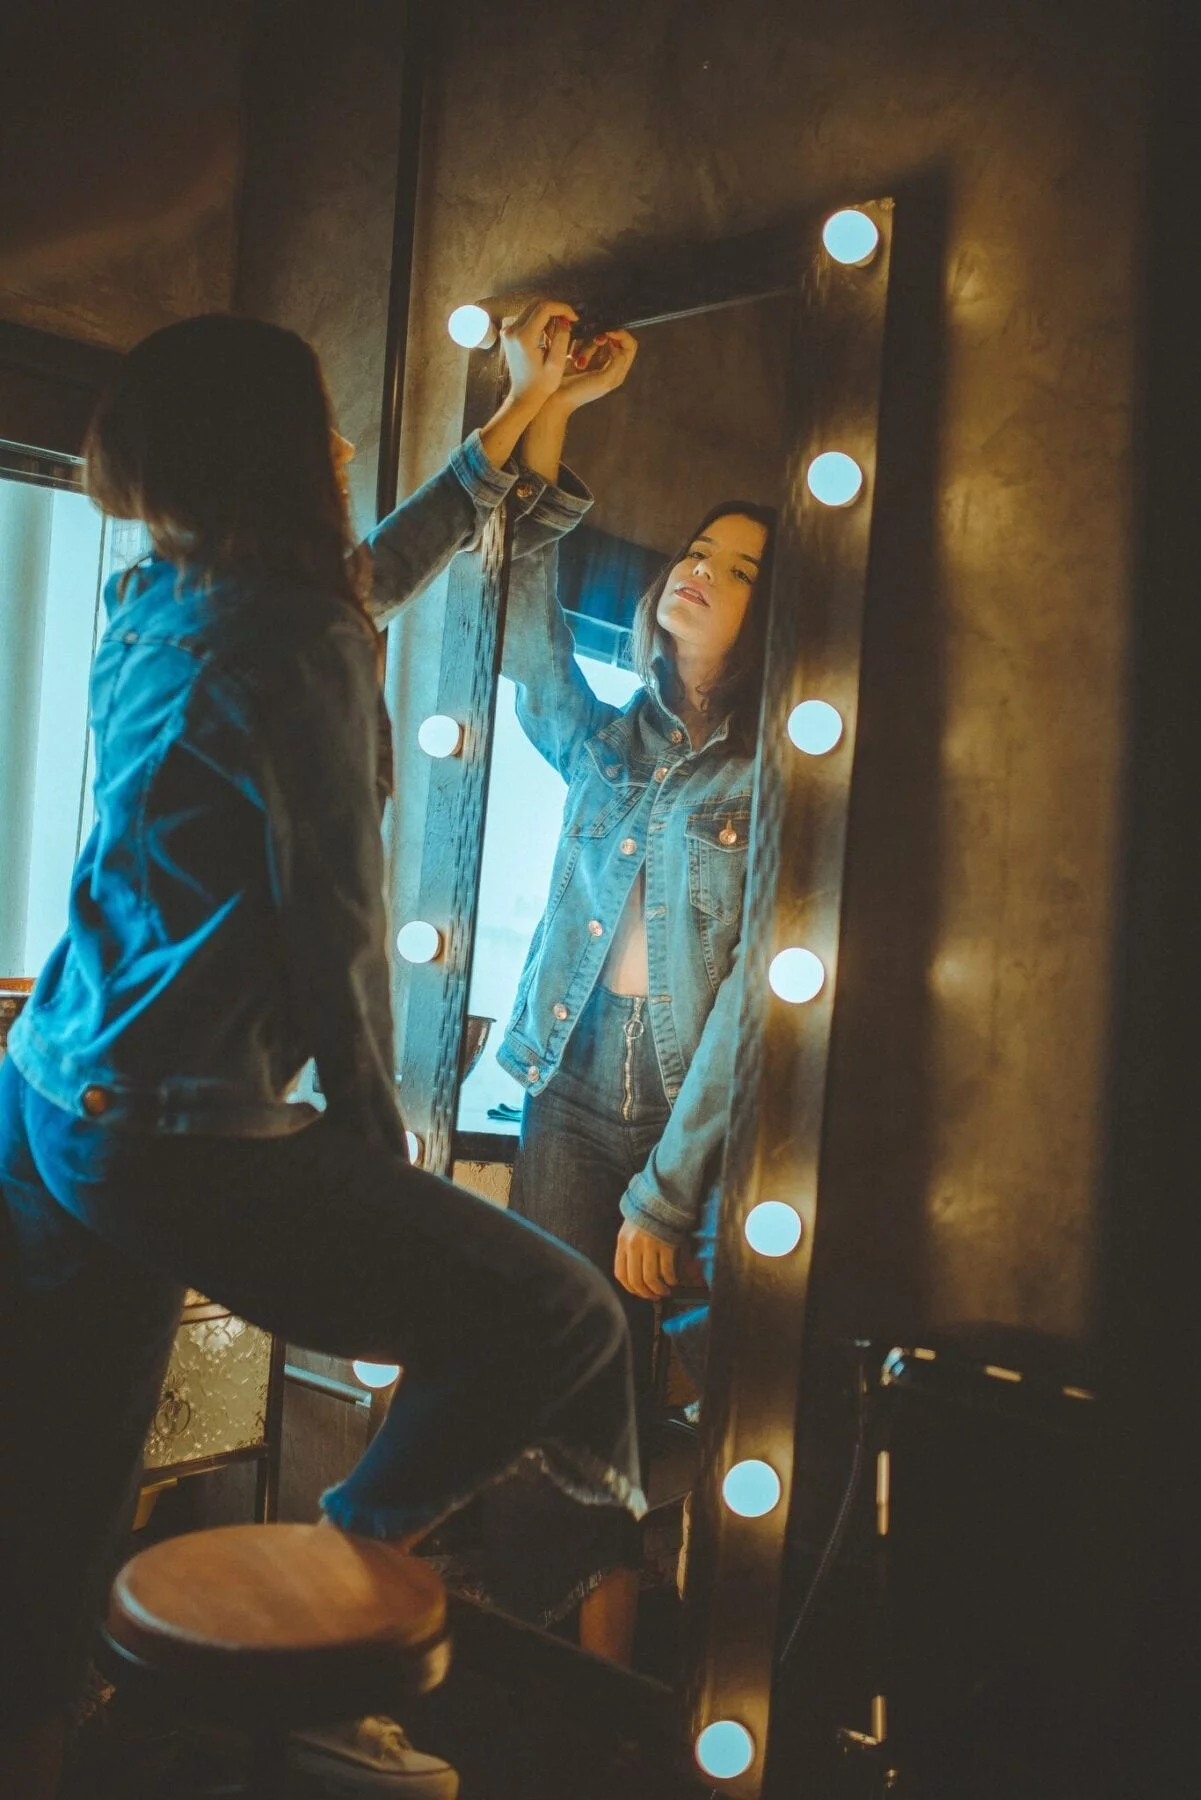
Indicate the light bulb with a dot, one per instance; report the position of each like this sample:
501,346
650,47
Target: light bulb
419,941
773,1228
415,1148
796,975
725,1749
376,1375
472,328
751,1489
851,237
815,727
440,735
834,478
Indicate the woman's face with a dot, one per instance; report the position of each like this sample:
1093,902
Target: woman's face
708,591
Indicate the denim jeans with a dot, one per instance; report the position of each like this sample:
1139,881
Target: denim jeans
581,1140
509,1343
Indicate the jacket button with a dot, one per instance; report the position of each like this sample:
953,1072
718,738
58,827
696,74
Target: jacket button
727,835
628,846
596,928
533,1072
560,1011
661,774
612,771
524,490
96,1100
677,736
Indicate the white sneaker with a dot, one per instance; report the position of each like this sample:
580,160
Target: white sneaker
372,1756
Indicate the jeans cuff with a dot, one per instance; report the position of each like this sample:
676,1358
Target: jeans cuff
576,1471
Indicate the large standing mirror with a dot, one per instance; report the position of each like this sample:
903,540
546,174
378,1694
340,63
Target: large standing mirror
756,358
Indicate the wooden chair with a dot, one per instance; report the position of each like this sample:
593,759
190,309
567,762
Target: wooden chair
267,1628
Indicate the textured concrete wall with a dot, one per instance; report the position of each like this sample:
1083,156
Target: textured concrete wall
965,1090
119,163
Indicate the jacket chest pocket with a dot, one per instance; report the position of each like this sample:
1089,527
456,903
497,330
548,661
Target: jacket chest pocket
717,840
597,808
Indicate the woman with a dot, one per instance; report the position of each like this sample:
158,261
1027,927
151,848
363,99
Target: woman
226,924
625,1023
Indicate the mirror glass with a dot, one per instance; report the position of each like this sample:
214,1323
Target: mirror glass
701,420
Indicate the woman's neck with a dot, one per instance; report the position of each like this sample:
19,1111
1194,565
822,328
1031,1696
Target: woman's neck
693,679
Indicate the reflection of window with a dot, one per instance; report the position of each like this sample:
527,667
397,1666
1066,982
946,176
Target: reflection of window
600,580
56,552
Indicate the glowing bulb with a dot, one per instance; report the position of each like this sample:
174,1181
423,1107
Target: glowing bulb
834,479
440,735
725,1749
796,975
415,1148
751,1489
419,941
472,328
851,237
376,1375
773,1228
814,727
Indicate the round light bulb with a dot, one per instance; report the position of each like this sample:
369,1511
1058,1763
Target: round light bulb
773,1228
815,727
419,941
375,1375
440,735
834,478
472,328
751,1489
415,1147
851,237
796,975
725,1749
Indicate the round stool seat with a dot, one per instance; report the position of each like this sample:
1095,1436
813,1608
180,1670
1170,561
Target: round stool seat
280,1624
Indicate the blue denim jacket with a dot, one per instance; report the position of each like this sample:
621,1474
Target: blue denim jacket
638,795
226,917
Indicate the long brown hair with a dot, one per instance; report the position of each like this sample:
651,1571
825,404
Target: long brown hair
216,432
738,690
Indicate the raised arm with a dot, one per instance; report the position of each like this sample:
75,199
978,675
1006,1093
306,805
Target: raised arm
417,540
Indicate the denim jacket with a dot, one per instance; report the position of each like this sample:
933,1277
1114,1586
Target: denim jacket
638,796
226,917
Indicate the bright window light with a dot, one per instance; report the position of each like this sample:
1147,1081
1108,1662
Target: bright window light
751,1489
472,328
834,478
725,1749
376,1375
815,727
851,237
773,1228
796,975
440,735
419,941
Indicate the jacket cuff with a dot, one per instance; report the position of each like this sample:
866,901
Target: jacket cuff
650,1212
485,485
561,504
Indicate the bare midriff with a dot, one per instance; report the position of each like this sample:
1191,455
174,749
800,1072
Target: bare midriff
626,970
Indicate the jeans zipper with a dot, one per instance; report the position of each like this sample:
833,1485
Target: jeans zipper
633,1030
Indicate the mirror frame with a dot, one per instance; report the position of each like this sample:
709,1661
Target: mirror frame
794,887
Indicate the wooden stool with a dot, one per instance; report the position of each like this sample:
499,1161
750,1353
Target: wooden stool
269,1627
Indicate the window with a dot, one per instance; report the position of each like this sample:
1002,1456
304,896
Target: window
56,552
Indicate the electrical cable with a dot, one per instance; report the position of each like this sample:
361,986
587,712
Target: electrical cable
842,1517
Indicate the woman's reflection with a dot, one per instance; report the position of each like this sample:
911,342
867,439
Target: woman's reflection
624,1029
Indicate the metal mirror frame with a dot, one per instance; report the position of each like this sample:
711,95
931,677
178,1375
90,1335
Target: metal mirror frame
794,890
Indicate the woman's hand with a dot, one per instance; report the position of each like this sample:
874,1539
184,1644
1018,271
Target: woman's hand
596,369
644,1265
536,345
